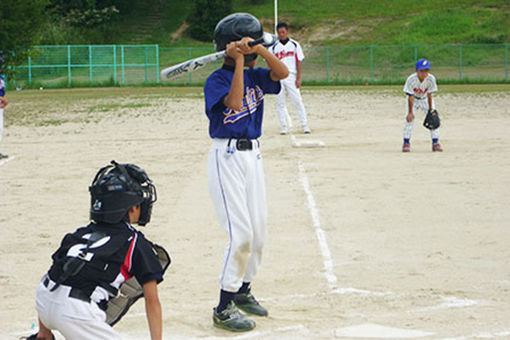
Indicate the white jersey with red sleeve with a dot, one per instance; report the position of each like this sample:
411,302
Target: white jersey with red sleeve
288,51
414,87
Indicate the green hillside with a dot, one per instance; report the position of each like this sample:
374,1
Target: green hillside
319,22
367,22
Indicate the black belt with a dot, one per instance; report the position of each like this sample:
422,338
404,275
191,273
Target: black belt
244,144
80,294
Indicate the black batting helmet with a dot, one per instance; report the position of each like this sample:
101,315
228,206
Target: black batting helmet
235,27
118,187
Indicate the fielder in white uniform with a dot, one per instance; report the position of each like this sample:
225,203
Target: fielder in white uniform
419,88
3,104
291,54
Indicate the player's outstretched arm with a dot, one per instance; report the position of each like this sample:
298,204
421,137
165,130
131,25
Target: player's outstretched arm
153,309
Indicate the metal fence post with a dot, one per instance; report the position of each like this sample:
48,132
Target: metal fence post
69,65
146,65
122,67
90,63
415,53
371,79
157,64
114,64
191,73
327,64
29,69
506,61
460,61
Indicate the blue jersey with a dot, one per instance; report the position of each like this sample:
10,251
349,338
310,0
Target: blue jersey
247,122
2,87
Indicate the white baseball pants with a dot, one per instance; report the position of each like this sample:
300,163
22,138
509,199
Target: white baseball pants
238,192
73,318
418,104
289,84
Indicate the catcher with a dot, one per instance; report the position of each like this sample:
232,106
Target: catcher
100,270
419,88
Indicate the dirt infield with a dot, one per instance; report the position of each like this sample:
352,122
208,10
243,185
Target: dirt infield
364,242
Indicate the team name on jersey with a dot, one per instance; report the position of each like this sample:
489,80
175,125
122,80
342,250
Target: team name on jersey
282,54
251,100
420,91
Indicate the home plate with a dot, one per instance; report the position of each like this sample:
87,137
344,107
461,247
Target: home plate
378,332
306,143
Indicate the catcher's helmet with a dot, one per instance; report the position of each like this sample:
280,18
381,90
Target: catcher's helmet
235,27
118,187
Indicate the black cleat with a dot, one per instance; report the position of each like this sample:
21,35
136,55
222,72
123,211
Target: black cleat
232,320
248,304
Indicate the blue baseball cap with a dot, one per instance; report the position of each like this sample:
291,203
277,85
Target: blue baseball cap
422,64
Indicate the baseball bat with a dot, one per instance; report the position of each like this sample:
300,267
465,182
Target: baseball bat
267,39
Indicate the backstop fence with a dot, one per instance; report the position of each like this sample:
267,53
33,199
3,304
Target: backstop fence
91,65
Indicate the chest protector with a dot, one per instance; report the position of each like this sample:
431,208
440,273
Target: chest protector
92,256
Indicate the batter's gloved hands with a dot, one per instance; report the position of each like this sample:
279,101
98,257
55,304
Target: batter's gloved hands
233,51
244,48
432,120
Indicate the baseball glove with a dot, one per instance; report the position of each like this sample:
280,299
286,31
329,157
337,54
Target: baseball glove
432,120
131,291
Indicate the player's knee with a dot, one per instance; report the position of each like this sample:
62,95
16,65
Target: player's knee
243,241
257,246
243,251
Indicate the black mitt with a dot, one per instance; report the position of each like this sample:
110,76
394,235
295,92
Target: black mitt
432,120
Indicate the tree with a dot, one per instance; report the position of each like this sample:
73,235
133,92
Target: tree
20,22
205,15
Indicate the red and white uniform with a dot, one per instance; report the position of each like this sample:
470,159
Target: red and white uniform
419,90
289,52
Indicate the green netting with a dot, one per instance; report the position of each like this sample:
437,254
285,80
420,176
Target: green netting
138,64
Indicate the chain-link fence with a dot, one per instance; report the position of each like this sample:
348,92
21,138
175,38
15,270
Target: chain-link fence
75,65
79,65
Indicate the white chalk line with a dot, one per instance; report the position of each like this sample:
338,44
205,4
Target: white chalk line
5,161
449,302
319,232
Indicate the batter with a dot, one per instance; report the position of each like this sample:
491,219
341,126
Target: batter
234,104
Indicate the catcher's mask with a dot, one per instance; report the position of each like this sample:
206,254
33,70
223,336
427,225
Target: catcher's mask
234,27
118,187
